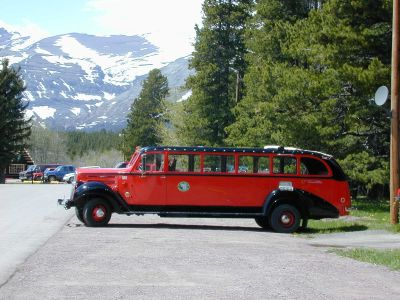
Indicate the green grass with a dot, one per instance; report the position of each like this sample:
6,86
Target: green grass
365,214
389,258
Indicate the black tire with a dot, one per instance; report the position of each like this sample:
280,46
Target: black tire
285,218
96,213
51,179
263,222
79,214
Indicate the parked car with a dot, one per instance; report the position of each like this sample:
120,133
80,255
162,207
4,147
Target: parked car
36,171
58,173
38,175
69,178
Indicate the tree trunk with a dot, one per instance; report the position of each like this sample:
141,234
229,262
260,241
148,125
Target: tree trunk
2,175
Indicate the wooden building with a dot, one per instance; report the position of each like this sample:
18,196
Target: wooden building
19,163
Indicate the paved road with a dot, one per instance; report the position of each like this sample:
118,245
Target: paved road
29,216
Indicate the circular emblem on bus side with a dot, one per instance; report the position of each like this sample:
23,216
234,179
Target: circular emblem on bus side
183,186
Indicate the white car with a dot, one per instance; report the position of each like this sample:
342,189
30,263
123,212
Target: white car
70,177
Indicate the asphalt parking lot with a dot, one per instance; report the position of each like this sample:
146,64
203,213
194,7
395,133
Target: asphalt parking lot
147,257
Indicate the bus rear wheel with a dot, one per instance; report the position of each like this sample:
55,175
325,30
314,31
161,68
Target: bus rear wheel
285,218
96,213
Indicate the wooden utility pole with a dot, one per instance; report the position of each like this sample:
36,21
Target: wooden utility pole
394,136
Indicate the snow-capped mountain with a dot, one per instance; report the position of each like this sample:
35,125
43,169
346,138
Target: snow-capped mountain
84,81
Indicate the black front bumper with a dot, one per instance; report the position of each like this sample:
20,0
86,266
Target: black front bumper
67,203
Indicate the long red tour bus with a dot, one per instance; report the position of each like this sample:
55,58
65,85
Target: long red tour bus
281,188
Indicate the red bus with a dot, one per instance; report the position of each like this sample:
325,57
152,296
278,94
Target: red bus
281,188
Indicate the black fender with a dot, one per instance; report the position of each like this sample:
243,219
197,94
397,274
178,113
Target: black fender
88,190
309,205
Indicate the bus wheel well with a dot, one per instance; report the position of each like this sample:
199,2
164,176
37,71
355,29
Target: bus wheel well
294,201
91,196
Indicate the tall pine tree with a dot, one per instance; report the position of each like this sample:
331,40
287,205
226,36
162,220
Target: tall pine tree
14,127
310,80
147,114
219,63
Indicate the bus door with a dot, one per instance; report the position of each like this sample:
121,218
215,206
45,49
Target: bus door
146,184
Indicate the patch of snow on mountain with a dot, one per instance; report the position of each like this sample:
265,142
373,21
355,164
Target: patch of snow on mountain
67,85
108,96
86,57
42,51
76,111
29,96
28,114
16,59
60,61
186,96
85,97
44,112
42,87
118,69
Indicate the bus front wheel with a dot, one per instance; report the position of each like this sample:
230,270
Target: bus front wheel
285,218
96,213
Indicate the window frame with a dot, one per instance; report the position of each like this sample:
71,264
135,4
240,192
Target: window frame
168,154
329,174
297,173
268,156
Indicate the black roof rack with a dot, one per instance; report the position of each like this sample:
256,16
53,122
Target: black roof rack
266,149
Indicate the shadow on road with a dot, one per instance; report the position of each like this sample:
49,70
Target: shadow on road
348,228
176,226
185,226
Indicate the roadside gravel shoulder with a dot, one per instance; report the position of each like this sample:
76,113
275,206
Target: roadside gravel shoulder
377,239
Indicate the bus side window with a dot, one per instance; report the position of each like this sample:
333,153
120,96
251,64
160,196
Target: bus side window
263,165
219,163
254,164
312,166
284,165
194,163
153,162
183,163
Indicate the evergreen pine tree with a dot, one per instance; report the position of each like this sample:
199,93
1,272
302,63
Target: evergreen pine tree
147,114
310,78
219,63
14,127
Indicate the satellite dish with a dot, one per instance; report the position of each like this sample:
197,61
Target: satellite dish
381,95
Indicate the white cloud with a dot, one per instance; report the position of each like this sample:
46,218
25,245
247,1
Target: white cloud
167,24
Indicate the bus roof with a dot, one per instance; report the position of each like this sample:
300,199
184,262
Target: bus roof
267,149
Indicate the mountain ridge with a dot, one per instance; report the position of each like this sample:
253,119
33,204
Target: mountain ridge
86,82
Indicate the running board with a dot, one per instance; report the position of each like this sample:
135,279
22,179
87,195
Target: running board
175,214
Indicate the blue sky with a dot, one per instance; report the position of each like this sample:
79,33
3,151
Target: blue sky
166,23
53,17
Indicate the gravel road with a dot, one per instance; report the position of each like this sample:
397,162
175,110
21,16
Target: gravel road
153,258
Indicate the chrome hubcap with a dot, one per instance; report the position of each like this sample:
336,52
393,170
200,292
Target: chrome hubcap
100,213
285,219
